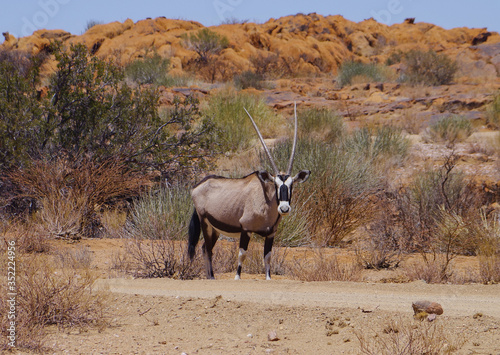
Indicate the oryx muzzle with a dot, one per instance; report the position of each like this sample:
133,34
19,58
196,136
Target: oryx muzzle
252,204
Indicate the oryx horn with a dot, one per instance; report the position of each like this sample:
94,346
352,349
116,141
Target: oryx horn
290,164
271,160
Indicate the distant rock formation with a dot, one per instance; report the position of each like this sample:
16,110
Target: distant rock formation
313,43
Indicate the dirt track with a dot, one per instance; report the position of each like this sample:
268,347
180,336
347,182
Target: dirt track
162,316
457,300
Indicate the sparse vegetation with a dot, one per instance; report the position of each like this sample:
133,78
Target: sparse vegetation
249,79
352,71
321,268
451,129
400,336
235,131
54,291
92,23
321,123
153,69
493,112
436,215
428,68
205,43
89,111
66,194
161,214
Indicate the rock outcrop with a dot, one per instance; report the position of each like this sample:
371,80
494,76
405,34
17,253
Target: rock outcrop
313,43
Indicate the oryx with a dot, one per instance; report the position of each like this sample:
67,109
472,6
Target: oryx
251,204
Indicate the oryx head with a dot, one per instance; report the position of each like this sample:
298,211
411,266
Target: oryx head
283,182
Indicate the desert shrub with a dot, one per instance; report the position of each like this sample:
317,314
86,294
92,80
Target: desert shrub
384,144
402,336
382,247
158,220
273,65
322,268
20,110
225,256
428,68
254,262
395,57
92,23
61,297
50,292
338,194
438,213
346,178
489,268
451,129
89,111
66,194
235,131
161,258
488,235
493,111
233,21
205,43
351,70
249,79
161,214
149,70
321,123
295,229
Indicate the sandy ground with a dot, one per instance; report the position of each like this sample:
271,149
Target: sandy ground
162,316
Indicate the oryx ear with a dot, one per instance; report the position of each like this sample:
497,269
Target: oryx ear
264,176
302,176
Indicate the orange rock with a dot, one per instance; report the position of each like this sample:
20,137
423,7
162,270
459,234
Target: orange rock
308,44
427,307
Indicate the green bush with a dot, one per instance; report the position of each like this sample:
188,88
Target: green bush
205,43
386,143
249,79
235,131
161,214
92,23
349,70
149,70
493,111
346,175
158,221
322,123
337,197
21,124
428,68
90,111
451,129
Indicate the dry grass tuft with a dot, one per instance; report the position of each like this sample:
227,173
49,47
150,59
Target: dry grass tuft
410,337
54,290
162,258
321,268
68,194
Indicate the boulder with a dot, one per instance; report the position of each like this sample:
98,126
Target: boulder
426,309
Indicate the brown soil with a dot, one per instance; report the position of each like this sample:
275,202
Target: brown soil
164,316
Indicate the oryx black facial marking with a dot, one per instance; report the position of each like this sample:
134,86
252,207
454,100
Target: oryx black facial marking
252,204
283,185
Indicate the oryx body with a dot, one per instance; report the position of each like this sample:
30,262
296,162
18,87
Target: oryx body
252,204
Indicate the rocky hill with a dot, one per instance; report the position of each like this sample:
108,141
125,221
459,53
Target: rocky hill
313,43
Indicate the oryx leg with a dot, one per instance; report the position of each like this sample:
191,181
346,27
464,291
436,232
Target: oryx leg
268,246
210,235
244,239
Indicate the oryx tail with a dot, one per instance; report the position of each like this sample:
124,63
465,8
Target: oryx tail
194,234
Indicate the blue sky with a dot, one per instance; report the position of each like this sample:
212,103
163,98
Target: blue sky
22,17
